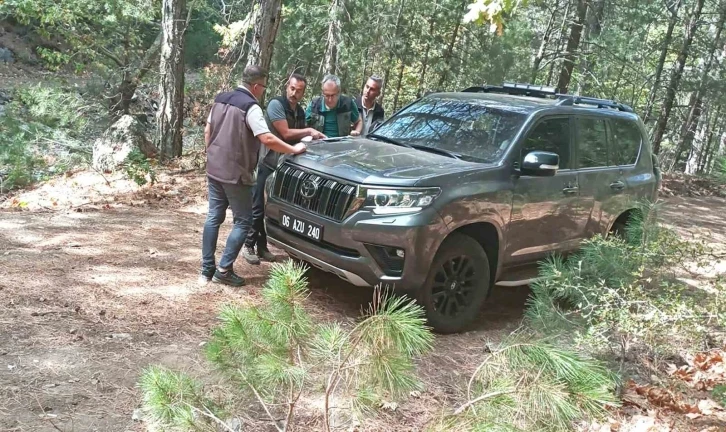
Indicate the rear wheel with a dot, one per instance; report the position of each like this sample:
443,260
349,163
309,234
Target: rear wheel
457,284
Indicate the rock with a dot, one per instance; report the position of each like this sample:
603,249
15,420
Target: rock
6,56
111,150
119,336
138,415
234,424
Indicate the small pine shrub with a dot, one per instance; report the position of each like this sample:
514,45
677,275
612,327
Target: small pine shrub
277,355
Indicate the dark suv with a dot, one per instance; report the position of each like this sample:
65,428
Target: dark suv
459,191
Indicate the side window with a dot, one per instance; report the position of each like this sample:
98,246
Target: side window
626,142
552,135
592,142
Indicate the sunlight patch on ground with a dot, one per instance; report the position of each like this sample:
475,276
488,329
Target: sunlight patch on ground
166,291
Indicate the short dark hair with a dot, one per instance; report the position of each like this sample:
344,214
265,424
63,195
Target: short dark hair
298,77
253,73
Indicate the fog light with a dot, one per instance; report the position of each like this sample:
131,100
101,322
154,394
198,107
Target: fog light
400,253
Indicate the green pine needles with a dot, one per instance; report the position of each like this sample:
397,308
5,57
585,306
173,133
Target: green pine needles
526,384
280,357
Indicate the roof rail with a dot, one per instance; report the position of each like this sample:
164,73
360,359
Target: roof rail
518,89
569,100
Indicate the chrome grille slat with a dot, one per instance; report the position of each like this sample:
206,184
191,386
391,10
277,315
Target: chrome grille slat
332,200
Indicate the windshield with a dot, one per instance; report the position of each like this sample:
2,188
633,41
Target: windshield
471,129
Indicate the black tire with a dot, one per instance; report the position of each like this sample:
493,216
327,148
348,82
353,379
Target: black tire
457,284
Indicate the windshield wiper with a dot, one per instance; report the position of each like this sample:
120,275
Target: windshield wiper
388,140
436,150
416,146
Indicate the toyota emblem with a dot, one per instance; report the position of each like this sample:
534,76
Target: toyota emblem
308,189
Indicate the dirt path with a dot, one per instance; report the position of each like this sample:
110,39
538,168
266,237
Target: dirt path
88,299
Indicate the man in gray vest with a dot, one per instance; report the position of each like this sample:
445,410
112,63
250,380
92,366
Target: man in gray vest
333,114
235,130
286,119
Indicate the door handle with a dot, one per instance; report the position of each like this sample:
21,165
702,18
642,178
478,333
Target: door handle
570,190
618,185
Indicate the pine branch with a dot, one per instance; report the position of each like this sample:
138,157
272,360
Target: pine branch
481,398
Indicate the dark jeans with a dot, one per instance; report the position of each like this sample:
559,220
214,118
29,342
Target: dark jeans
257,235
223,195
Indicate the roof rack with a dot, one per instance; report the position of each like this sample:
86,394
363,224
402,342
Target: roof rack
519,89
569,100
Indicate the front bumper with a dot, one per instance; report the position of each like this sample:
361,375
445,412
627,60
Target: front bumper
343,250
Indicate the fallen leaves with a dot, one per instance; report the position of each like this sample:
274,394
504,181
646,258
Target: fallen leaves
702,371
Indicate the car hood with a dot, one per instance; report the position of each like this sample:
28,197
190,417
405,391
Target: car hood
372,162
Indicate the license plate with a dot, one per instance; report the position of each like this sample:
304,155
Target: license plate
301,226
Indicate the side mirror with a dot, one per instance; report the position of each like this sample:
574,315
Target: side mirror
540,164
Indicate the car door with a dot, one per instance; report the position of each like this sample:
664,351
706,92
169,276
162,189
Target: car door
548,214
602,181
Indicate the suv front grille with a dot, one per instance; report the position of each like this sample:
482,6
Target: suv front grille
326,197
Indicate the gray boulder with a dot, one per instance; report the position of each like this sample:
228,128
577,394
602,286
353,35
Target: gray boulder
6,56
111,150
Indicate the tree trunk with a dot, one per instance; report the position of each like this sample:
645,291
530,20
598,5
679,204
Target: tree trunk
665,111
537,59
561,42
425,61
263,39
120,102
592,32
450,51
661,60
330,63
573,43
694,114
171,88
706,154
398,87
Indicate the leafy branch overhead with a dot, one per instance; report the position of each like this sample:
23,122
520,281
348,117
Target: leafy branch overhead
491,12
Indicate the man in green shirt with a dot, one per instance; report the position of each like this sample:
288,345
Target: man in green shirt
333,114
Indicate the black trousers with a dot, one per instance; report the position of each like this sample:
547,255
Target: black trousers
257,236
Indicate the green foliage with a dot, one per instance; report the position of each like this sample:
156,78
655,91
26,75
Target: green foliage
719,394
618,292
173,400
46,129
139,168
527,384
277,353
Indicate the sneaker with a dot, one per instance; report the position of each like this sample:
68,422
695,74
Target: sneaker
206,275
248,252
266,255
228,278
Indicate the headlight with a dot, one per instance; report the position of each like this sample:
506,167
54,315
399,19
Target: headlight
398,201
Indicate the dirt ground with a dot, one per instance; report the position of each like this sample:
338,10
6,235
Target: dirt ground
91,292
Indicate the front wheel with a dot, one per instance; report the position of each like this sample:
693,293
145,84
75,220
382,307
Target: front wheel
457,284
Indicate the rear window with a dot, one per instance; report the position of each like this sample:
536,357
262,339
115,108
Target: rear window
626,142
592,149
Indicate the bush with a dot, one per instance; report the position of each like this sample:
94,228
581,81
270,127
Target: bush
46,130
277,355
526,384
617,293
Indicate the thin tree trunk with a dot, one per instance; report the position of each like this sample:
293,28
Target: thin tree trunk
661,60
706,154
425,62
537,60
171,87
694,114
269,15
560,43
396,31
592,32
450,51
573,43
334,38
665,112
398,87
